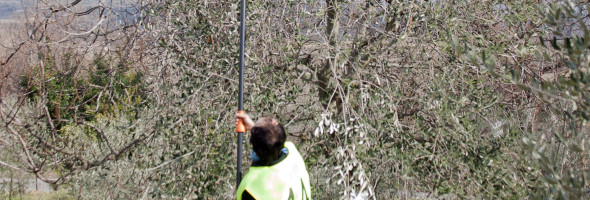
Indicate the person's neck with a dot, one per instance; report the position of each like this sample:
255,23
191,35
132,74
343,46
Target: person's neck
282,155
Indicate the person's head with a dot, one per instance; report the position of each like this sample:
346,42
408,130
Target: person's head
268,138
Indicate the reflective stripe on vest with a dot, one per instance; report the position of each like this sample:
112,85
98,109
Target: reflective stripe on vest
287,179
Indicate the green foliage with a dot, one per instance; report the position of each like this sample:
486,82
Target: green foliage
570,48
557,145
106,90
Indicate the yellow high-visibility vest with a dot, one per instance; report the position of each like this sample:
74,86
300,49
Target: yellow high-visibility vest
286,180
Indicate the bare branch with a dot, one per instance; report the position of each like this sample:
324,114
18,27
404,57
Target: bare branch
12,166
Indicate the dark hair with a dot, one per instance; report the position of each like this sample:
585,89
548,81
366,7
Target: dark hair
268,139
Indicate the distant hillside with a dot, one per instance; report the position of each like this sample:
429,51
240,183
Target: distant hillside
8,8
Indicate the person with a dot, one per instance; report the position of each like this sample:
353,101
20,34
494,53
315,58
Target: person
278,170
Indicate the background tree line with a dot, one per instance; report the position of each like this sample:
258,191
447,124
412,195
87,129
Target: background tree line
385,99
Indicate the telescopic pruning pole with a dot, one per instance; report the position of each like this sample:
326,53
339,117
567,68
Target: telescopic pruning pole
240,127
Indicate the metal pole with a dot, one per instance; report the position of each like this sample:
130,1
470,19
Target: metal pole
241,90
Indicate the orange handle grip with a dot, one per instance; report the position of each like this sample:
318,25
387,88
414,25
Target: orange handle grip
240,127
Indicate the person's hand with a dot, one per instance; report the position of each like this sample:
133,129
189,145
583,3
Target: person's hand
248,123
